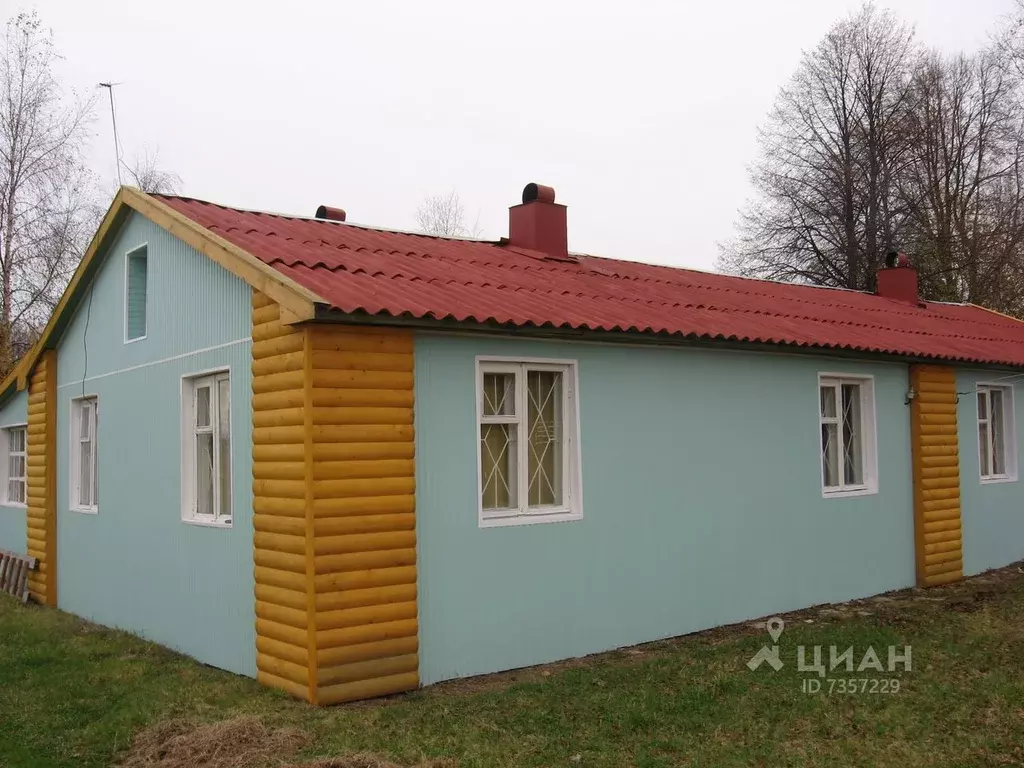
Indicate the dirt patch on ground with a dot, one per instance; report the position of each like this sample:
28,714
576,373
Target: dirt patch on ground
241,742
367,760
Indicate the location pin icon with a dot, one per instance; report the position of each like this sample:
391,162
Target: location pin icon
775,627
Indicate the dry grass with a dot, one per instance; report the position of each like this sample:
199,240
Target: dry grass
73,696
241,742
369,760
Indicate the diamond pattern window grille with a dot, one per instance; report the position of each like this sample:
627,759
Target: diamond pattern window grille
524,459
544,419
498,465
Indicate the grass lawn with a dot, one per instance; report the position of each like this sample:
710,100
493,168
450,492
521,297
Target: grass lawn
72,694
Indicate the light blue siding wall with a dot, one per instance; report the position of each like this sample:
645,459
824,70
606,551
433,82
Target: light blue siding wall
702,505
135,564
13,526
992,515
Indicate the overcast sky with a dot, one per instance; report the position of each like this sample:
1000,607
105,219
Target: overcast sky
642,115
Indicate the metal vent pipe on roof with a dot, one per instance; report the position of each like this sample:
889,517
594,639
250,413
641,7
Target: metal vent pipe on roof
538,192
330,214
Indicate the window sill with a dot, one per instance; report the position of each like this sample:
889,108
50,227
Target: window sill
206,523
530,518
132,341
13,504
996,479
85,510
848,493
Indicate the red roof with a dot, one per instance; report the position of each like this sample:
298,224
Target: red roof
360,269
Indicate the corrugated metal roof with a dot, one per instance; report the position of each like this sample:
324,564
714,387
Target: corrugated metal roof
360,269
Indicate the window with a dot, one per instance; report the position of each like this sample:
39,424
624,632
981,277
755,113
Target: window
997,454
847,419
13,442
84,418
135,269
206,449
528,442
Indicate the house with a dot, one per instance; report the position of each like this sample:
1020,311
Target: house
350,461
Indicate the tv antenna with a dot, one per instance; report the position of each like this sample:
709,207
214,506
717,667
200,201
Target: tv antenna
113,120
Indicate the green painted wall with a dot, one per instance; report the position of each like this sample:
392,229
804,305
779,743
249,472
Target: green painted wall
13,526
135,565
992,514
702,505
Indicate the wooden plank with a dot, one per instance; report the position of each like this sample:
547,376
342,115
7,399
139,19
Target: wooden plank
15,572
20,588
365,689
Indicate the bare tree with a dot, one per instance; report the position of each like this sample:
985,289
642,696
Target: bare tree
1008,41
45,187
147,175
445,215
827,208
964,184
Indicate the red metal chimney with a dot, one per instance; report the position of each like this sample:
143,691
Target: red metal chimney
539,223
897,280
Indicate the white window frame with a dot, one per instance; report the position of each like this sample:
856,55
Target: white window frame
572,474
1009,431
188,447
5,468
869,441
74,464
127,260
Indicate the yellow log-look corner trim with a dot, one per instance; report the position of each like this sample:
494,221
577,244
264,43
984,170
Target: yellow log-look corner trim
310,543
938,549
298,304
283,586
40,515
334,500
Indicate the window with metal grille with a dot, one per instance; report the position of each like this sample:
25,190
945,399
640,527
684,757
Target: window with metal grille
997,455
528,441
846,417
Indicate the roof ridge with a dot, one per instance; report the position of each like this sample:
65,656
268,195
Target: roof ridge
353,224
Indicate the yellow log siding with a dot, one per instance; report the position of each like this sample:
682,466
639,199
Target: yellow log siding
283,589
936,468
41,479
363,512
334,488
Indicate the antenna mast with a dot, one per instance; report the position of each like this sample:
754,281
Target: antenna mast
113,120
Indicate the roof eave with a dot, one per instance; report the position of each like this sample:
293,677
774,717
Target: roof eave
644,338
298,304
